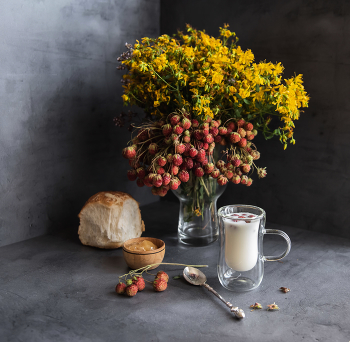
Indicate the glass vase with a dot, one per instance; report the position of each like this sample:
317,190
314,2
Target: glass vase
198,220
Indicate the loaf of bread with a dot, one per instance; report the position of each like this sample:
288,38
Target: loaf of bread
108,219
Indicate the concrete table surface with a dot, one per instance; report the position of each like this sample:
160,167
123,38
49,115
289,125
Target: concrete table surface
52,288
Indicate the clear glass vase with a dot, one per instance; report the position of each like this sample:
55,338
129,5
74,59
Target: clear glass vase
198,220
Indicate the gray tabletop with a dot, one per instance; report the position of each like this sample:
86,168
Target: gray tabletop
54,289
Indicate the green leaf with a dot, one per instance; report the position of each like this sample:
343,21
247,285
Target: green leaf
177,277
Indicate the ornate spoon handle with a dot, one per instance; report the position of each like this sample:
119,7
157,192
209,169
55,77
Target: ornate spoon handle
236,310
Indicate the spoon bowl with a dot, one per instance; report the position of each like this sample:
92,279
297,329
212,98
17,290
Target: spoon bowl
196,277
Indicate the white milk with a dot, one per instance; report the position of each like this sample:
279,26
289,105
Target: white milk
241,241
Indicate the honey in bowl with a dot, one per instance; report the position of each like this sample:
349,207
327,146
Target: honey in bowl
143,246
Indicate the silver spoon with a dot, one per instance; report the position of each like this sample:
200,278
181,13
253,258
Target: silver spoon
195,277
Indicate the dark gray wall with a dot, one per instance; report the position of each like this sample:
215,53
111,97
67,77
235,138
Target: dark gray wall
308,184
59,92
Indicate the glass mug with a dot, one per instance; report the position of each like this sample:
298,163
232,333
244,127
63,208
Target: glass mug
241,259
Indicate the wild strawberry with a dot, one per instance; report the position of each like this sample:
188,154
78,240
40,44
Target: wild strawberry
178,129
154,191
186,124
215,173
198,135
261,172
201,154
241,132
183,166
140,182
174,119
139,282
187,139
131,290
205,131
208,119
205,146
129,152
120,288
189,163
187,148
193,152
159,170
208,169
132,175
204,162
235,161
195,123
244,179
161,161
166,178
199,172
220,164
230,167
222,180
223,170
242,142
162,191
177,159
169,158
174,170
142,135
159,285
180,148
234,137
229,174
162,275
238,171
174,137
236,179
240,123
153,148
218,138
147,181
167,130
250,181
255,154
199,145
214,131
184,176
215,123
248,126
245,168
174,183
141,172
157,181
208,139
250,135
223,130
255,132
168,140
134,163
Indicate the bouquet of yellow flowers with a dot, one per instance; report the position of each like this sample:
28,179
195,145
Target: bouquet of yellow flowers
197,92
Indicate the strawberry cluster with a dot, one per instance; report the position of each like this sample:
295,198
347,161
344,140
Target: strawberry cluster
137,283
165,154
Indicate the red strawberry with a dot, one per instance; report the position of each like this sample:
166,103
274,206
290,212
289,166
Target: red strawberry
241,132
157,181
162,275
120,288
248,126
215,173
186,124
222,180
189,163
238,171
187,139
205,131
199,145
166,178
205,146
223,130
161,161
195,123
250,135
154,191
199,172
204,161
162,191
184,176
174,170
169,158
220,164
139,282
198,135
183,166
178,129
236,179
244,179
208,119
167,130
214,131
132,175
153,148
160,285
240,123
174,183
250,181
231,125
218,138
234,137
223,170
177,159
174,137
201,154
131,290
229,174
141,172
134,163
180,148
159,170
208,169
215,124
245,168
147,181
235,161
129,152
140,182
242,142
174,119
208,139
193,152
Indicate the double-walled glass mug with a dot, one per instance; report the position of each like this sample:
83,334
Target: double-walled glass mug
241,259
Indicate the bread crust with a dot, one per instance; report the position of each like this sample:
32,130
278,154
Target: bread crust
109,199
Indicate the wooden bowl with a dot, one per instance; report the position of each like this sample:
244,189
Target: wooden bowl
138,259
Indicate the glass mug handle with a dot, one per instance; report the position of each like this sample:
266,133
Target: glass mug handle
286,237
